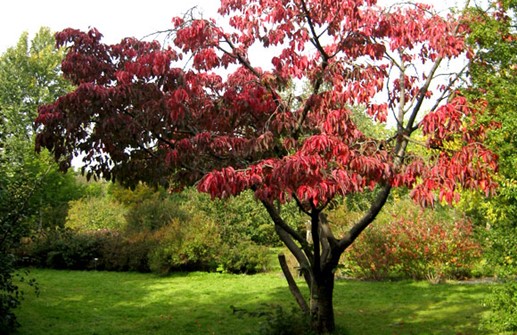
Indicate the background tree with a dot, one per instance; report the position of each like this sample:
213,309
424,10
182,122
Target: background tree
139,115
494,77
32,190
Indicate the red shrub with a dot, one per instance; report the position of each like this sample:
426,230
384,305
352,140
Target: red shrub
418,244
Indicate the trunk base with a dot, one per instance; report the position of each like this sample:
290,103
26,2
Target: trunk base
322,309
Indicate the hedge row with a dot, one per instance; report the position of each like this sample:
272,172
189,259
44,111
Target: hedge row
174,247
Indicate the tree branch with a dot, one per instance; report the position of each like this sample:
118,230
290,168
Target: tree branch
328,241
319,81
303,260
422,93
288,236
315,231
292,285
365,221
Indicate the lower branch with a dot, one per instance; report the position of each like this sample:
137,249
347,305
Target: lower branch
305,266
365,221
292,285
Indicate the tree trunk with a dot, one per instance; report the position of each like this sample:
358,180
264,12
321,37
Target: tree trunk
321,305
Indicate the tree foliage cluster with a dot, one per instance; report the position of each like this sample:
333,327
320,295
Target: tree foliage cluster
33,192
494,74
494,77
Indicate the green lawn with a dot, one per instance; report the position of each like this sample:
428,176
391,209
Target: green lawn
107,303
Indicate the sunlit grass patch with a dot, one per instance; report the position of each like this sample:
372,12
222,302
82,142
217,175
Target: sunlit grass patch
77,303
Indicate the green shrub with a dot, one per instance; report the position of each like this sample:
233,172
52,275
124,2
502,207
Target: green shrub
63,250
240,217
174,247
147,230
502,303
93,213
279,321
160,258
153,213
100,250
9,294
186,246
244,257
125,252
197,246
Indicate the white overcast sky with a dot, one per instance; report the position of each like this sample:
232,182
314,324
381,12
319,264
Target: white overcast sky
115,19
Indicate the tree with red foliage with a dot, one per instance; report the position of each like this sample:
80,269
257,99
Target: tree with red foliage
226,125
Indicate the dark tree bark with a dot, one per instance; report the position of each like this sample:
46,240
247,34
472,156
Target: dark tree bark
321,304
318,261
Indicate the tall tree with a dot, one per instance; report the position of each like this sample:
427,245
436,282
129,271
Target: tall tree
140,114
29,184
494,77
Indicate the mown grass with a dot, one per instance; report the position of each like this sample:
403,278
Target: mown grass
107,303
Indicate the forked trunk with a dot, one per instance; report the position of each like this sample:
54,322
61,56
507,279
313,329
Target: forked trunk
321,305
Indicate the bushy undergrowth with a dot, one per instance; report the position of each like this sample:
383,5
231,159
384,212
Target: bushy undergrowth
502,256
279,321
102,250
186,248
94,213
146,229
409,242
189,232
192,246
503,308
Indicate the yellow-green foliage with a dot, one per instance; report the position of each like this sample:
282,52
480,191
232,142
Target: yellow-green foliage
94,213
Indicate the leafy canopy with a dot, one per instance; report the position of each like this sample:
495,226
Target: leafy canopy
31,188
139,114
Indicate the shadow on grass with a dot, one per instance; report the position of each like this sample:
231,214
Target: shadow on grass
409,307
73,302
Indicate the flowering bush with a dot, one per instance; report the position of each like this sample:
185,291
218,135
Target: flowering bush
417,244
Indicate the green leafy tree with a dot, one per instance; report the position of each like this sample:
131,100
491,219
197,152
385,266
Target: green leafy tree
30,75
494,78
31,188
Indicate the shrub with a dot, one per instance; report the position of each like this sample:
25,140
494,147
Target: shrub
244,257
62,249
238,218
279,321
502,256
153,213
186,246
154,234
125,252
100,250
502,303
419,244
9,294
93,213
197,246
